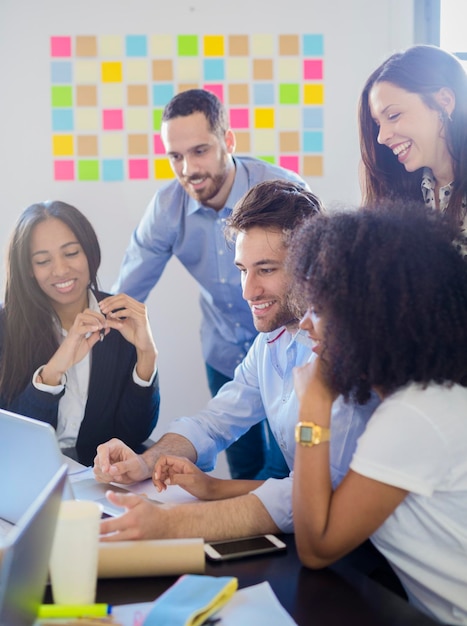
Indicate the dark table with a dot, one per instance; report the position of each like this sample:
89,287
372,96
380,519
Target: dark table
335,596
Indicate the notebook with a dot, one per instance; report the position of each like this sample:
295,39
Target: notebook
29,456
25,555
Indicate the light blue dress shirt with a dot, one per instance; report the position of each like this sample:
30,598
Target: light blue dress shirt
263,387
175,224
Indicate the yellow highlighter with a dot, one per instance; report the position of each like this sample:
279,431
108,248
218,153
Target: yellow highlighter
74,610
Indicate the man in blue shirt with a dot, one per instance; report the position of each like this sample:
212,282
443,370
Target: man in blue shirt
186,218
262,385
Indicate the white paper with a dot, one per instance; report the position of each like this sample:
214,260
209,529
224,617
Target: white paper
257,604
173,493
73,466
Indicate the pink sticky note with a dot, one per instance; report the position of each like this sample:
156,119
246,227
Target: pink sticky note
158,145
290,163
239,118
60,46
216,89
112,119
312,69
64,170
138,169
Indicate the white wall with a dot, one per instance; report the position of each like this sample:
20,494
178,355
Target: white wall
358,35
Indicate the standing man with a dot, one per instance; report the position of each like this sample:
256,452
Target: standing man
186,218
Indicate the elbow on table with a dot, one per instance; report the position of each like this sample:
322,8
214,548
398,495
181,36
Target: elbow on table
311,558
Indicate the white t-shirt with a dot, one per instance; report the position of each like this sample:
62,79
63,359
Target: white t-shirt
417,440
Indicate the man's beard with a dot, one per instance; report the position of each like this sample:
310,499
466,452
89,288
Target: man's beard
213,187
285,316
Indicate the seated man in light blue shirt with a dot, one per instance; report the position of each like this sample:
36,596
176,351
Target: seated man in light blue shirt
186,219
262,385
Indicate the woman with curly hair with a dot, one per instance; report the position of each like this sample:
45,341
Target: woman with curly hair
413,131
386,292
71,355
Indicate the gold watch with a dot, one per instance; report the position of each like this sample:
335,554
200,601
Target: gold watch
310,434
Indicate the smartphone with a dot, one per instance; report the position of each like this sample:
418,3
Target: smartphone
238,548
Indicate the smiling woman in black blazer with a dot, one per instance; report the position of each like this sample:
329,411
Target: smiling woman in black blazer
70,355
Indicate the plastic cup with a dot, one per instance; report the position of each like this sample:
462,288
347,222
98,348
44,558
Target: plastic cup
74,557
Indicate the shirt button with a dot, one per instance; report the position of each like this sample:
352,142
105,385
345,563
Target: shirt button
223,281
230,305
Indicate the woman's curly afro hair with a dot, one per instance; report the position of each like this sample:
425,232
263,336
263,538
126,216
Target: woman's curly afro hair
392,289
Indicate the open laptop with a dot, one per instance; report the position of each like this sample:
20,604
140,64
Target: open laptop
25,553
29,456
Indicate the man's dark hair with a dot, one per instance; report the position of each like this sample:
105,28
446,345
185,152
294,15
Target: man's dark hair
199,101
275,205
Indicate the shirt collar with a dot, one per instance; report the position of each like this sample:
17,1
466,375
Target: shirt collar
241,182
93,303
299,335
428,186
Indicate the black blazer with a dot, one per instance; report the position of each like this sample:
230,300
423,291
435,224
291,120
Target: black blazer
116,405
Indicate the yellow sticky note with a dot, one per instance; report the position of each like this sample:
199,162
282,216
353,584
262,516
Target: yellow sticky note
163,169
62,145
264,118
313,94
111,72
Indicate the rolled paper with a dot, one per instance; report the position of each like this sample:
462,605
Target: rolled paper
157,557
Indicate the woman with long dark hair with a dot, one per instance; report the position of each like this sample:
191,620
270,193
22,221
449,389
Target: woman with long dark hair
413,131
70,355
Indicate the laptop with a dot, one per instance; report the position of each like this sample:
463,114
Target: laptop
25,555
29,456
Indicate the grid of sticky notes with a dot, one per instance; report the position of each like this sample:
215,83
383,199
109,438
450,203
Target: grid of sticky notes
108,93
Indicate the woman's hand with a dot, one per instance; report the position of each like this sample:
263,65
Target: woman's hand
175,470
80,339
130,318
312,388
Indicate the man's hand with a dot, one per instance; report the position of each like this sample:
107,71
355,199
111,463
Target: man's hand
116,462
143,519
241,516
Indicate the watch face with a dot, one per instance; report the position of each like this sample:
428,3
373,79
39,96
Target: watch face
306,434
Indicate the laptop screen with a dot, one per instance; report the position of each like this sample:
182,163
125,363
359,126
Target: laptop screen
26,553
29,457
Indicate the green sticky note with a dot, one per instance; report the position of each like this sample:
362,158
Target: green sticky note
157,119
88,169
187,45
62,96
289,93
268,159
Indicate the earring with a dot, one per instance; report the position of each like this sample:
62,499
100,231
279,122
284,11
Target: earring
444,116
